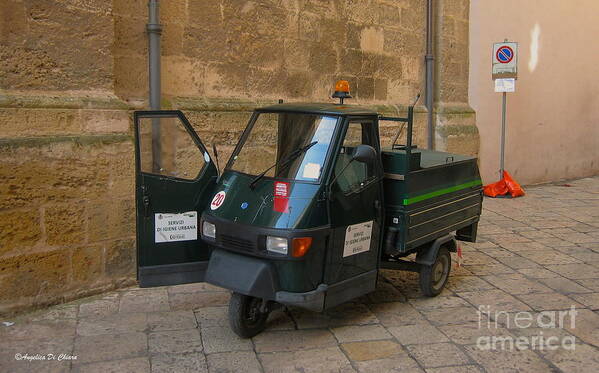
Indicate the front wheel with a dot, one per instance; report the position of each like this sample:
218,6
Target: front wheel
246,316
434,277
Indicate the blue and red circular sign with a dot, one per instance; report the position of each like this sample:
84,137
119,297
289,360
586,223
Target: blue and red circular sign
504,54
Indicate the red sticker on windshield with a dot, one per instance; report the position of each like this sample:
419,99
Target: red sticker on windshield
281,193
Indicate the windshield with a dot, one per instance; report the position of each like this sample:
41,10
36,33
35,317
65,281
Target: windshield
275,136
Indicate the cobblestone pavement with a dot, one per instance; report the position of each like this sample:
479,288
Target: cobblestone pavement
535,255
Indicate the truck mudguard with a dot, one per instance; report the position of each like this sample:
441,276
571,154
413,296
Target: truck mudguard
428,256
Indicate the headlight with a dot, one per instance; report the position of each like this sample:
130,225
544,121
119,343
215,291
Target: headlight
276,244
209,230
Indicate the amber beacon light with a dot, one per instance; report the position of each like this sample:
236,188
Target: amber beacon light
341,90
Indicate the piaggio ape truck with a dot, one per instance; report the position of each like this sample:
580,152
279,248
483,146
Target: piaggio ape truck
306,212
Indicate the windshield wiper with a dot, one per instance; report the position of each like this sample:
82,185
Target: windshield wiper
296,153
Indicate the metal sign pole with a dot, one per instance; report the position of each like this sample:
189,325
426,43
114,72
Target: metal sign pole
504,73
502,154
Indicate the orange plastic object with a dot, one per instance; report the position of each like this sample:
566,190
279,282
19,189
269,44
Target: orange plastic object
301,246
504,186
342,86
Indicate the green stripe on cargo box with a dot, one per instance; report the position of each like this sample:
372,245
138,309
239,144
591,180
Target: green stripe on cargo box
422,197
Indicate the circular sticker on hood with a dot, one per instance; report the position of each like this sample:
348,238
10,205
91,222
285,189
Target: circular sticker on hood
218,200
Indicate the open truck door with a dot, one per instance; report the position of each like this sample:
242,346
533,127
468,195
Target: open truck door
175,178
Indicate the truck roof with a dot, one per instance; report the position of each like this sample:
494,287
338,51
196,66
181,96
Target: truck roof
319,108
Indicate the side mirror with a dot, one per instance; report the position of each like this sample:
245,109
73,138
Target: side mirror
364,154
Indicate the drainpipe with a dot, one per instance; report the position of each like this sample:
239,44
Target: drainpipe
154,29
428,58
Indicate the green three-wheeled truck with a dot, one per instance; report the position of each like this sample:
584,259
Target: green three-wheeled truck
307,211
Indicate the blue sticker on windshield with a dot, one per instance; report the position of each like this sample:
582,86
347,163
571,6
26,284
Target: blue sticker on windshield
244,205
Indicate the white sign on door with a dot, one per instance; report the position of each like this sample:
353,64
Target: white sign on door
176,227
357,238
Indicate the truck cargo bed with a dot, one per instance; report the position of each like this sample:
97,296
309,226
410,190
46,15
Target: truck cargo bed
429,194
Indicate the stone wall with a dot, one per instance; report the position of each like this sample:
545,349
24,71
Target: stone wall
71,72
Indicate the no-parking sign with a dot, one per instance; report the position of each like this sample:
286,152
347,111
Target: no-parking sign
505,60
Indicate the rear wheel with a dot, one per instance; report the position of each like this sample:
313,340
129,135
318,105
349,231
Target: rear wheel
434,277
247,315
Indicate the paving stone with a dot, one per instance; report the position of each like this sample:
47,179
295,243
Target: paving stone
58,313
451,316
212,316
134,365
175,341
360,333
518,262
293,340
171,320
385,292
279,320
532,319
438,355
401,364
110,347
575,271
582,359
440,301
549,301
193,301
13,355
553,242
576,237
548,335
508,238
99,308
501,361
325,360
489,269
180,363
233,362
345,314
467,283
590,300
472,258
471,333
112,324
372,350
456,369
144,300
498,253
40,330
537,273
591,284
223,339
496,300
417,334
549,257
516,284
563,285
461,270
584,255
535,234
397,314
195,288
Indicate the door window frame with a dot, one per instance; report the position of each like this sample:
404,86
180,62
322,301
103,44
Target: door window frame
137,116
373,121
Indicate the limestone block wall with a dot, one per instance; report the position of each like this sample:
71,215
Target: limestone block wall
72,72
